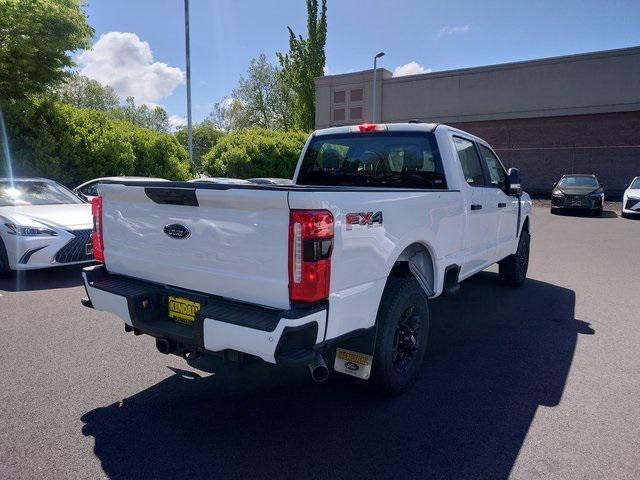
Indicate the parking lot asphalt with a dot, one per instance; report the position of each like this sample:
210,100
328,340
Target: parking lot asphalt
537,382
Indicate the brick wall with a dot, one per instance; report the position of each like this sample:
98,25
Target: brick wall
544,149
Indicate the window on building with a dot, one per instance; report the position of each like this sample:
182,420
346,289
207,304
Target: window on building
339,97
355,113
470,162
355,95
497,175
338,114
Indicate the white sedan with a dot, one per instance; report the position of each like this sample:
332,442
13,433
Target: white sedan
631,199
42,224
89,190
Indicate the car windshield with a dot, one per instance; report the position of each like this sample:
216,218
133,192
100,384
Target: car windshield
380,159
635,184
578,182
35,192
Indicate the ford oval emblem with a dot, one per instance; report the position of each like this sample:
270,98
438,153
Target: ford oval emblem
177,231
352,366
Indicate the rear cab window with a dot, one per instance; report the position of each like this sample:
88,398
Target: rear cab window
374,159
470,162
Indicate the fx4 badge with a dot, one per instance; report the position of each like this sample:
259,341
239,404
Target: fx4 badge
363,218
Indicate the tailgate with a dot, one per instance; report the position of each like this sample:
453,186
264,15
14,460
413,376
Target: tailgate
236,244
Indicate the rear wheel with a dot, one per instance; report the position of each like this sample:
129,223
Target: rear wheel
402,334
513,269
5,269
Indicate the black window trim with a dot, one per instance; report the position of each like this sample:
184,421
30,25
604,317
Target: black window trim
409,133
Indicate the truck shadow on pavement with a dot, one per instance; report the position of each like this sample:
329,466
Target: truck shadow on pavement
45,279
496,355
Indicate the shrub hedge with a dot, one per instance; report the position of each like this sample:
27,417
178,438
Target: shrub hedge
55,140
255,153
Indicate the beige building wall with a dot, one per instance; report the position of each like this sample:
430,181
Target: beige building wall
599,82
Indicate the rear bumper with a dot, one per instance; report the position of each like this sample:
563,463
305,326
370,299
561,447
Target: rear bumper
286,337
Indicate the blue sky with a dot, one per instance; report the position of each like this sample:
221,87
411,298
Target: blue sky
436,35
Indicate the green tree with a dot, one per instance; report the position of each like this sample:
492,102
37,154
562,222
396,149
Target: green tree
84,92
155,118
255,153
305,61
263,95
72,145
36,38
228,115
205,135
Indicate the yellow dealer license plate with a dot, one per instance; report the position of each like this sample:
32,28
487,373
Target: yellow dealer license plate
183,310
353,363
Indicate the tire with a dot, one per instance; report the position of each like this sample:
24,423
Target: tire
402,335
513,269
624,215
5,269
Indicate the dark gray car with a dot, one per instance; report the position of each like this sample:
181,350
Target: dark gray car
578,192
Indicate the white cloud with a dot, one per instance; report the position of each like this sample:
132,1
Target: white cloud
177,121
123,61
411,68
453,30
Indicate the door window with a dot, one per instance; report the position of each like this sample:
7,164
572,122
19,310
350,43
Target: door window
470,162
497,175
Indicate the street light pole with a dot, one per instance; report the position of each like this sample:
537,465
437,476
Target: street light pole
188,54
375,74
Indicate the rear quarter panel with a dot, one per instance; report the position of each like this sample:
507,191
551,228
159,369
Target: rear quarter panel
363,255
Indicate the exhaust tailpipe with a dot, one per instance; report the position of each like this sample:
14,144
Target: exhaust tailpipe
318,369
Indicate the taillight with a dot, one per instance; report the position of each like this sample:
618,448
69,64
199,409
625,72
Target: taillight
96,235
310,246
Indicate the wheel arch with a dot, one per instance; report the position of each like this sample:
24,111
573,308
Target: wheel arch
418,261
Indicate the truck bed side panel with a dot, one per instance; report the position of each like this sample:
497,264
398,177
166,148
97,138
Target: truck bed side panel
363,255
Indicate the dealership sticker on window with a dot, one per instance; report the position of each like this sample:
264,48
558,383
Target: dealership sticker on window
353,363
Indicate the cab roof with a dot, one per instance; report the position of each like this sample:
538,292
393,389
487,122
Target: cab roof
389,127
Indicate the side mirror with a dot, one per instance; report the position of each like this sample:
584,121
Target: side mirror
514,188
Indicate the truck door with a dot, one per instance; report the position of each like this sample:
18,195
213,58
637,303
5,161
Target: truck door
480,236
507,206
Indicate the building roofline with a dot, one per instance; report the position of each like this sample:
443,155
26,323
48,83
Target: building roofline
575,57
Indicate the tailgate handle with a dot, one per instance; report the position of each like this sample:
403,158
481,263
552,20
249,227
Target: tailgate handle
173,196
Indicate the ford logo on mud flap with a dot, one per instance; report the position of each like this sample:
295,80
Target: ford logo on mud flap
177,231
351,366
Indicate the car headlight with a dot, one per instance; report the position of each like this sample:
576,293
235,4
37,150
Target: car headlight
23,231
557,193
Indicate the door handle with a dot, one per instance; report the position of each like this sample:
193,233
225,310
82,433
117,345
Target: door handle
475,206
502,205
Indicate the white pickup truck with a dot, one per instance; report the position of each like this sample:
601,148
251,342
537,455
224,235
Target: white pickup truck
380,219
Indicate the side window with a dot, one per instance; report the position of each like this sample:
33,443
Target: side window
91,190
497,174
470,162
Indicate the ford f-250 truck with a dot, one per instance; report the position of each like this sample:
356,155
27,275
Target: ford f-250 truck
380,219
